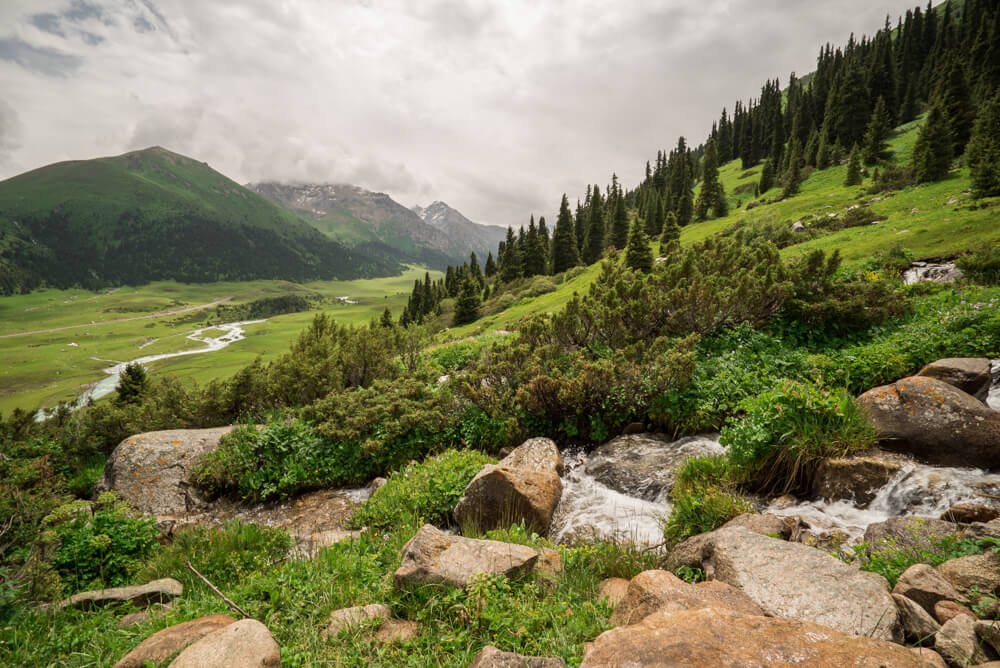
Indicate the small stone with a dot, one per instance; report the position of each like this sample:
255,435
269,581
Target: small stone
134,619
946,610
491,657
349,617
925,586
958,643
918,626
396,631
549,562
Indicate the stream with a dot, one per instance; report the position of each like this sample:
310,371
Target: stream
231,333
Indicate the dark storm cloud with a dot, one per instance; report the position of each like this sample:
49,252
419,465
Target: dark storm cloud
495,107
41,59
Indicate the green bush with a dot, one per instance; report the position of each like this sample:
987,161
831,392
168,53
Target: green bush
890,559
983,265
704,498
787,429
98,544
421,493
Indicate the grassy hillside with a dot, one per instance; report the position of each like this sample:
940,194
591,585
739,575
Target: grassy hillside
155,215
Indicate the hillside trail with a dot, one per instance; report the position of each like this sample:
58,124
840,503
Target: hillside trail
148,316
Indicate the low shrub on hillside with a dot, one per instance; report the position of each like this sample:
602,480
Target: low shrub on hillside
424,492
787,429
982,265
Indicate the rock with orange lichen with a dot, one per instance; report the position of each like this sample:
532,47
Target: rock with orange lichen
935,422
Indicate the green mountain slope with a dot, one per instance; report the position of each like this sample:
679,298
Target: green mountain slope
156,215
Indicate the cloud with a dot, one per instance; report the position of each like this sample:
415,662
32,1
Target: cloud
10,132
494,107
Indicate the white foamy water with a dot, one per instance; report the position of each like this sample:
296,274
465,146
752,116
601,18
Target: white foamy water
993,400
231,333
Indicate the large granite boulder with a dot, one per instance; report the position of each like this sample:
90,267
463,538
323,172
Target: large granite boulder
918,625
151,471
435,557
246,643
524,486
656,591
157,591
794,581
978,571
911,533
969,374
719,638
856,479
643,465
165,643
935,422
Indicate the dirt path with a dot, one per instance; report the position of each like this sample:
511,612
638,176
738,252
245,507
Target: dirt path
158,314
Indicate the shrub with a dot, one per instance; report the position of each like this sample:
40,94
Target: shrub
982,265
99,543
421,493
787,429
704,498
892,177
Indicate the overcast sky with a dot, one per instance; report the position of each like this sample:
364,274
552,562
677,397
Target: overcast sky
494,107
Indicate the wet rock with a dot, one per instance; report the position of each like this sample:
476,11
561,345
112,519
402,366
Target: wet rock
784,501
797,226
349,617
491,657
946,610
969,374
958,643
710,638
246,643
978,571
967,513
766,524
935,273
913,533
656,591
634,428
856,479
795,581
935,422
612,591
435,557
524,486
151,470
377,484
923,585
643,465
163,644
157,591
918,626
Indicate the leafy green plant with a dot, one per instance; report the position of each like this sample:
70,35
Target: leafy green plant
689,574
982,265
424,492
890,558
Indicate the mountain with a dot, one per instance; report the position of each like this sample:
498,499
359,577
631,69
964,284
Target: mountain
375,223
155,215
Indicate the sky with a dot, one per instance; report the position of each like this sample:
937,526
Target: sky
495,107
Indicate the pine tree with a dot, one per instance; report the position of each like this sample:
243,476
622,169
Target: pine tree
580,226
853,177
594,243
877,134
766,177
467,304
671,233
545,244
638,255
984,150
491,266
565,254
933,151
132,384
474,271
908,109
386,320
953,96
510,260
619,224
712,196
534,251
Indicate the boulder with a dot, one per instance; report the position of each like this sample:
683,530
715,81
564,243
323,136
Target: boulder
935,422
246,643
656,591
524,486
549,562
989,632
923,585
967,513
151,470
689,552
856,479
989,529
164,644
958,643
947,610
612,591
910,533
918,626
491,657
795,581
396,631
435,557
643,465
349,617
767,524
930,658
977,571
718,638
141,596
969,374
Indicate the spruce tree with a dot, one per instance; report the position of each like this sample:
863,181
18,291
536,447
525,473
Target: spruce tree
712,197
386,320
619,223
491,266
467,304
510,261
877,134
984,150
932,153
132,384
671,233
853,177
545,244
953,96
565,254
580,227
638,255
594,244
766,177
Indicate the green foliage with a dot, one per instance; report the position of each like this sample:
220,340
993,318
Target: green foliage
98,544
704,498
982,265
421,493
932,154
877,134
132,384
467,303
853,177
984,150
711,197
638,255
890,559
787,429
